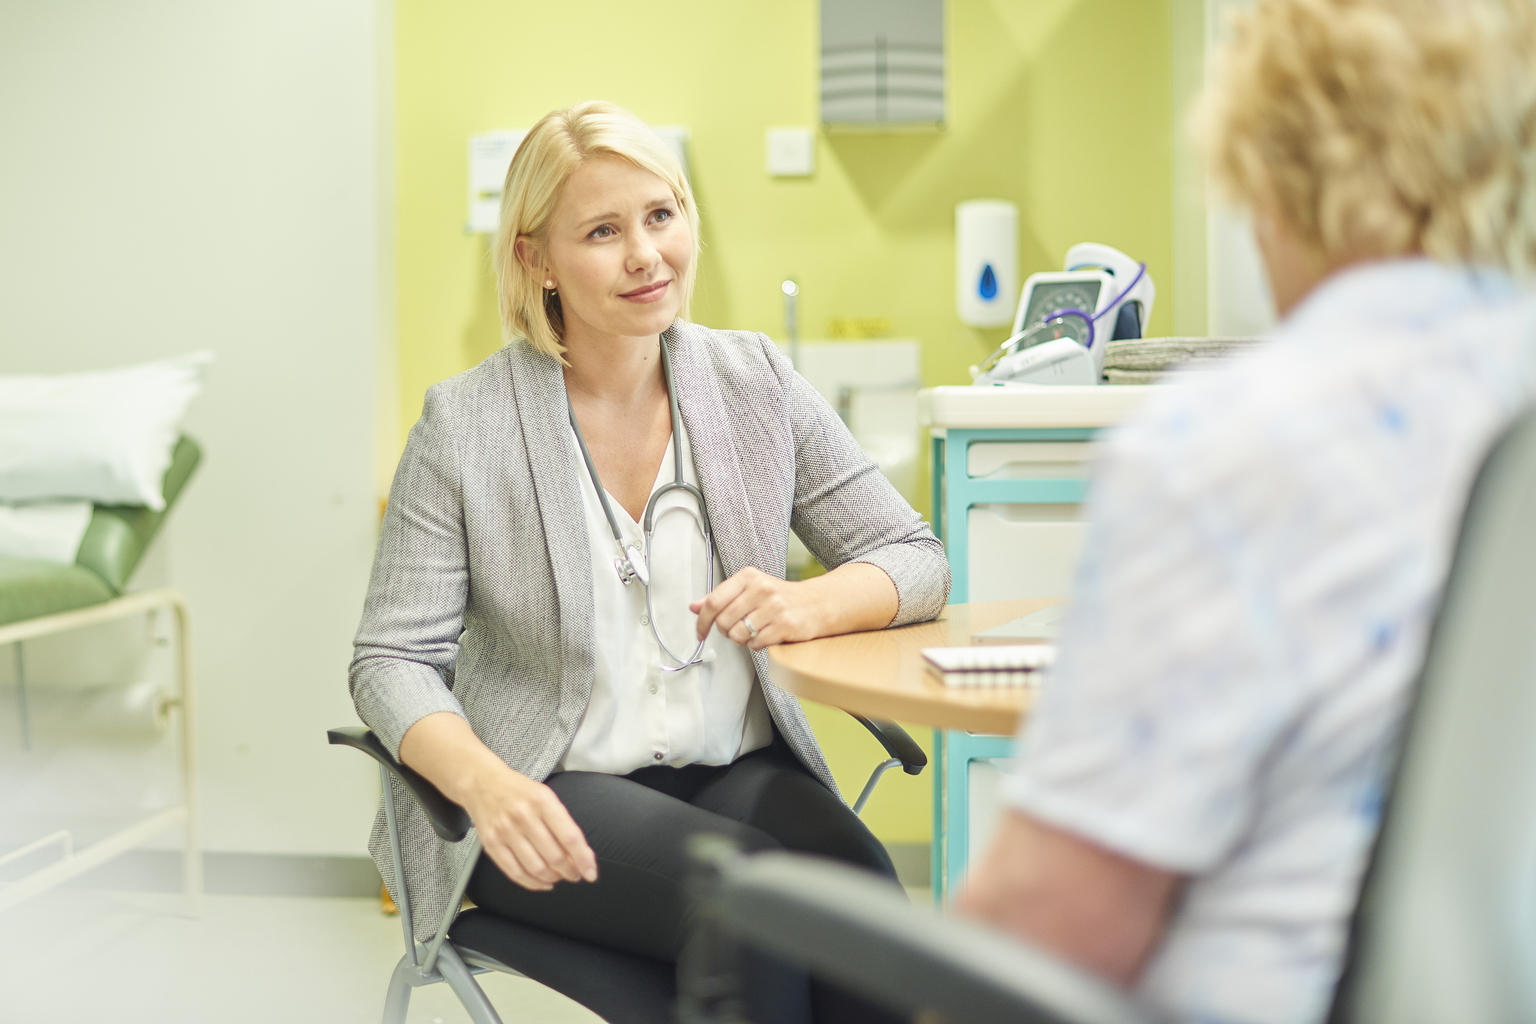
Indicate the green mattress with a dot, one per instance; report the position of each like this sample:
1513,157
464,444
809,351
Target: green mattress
114,545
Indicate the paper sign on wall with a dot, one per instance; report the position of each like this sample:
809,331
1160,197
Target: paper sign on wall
676,138
490,154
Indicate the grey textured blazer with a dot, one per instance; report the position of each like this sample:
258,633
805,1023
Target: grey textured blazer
480,603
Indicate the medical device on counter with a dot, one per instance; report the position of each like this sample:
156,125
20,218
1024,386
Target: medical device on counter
1066,319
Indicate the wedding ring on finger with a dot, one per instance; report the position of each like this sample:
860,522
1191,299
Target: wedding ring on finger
751,629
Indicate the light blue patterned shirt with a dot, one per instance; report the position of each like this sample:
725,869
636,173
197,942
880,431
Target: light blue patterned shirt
1266,546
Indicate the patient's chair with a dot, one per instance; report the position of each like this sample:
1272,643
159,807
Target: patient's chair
622,988
1445,929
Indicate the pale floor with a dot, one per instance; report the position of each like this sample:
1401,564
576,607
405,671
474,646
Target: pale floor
83,957
75,956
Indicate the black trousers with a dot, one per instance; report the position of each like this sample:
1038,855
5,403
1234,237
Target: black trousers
638,826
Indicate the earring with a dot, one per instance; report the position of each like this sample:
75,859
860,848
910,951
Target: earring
550,285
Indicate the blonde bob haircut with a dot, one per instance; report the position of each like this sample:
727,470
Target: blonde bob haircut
1378,128
561,142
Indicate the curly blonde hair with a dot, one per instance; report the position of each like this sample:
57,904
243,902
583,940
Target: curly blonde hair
562,141
1383,127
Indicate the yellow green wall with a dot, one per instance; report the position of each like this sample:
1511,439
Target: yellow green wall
1062,106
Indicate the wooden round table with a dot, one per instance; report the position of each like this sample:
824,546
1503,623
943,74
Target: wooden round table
881,673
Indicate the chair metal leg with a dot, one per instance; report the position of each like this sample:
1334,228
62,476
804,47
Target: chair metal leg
451,911
869,787
402,894
464,985
398,1000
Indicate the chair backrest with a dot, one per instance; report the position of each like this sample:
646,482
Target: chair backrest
1446,926
846,925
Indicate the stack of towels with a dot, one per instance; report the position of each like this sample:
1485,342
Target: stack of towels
1145,360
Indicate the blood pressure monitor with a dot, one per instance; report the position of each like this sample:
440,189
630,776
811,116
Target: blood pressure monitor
1066,318
1066,289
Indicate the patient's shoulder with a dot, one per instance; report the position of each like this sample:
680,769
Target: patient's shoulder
1342,418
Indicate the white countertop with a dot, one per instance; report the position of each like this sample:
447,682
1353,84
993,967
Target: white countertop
1041,405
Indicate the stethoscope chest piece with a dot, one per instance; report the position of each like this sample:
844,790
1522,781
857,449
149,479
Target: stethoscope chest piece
632,566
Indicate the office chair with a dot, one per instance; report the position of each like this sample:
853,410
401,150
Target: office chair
622,988
1445,927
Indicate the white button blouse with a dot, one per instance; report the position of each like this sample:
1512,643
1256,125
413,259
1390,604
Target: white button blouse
639,714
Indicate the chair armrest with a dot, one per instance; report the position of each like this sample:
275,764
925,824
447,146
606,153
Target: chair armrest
896,743
449,820
853,929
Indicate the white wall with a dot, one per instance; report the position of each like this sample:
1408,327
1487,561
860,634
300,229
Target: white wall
1219,281
179,174
1238,300
1189,236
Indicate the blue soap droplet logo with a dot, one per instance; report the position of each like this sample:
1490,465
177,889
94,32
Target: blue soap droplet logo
988,288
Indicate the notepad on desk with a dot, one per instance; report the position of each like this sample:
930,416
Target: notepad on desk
1036,627
1019,665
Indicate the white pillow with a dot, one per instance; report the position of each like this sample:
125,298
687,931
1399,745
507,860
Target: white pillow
104,436
50,530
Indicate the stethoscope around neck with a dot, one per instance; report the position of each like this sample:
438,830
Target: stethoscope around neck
632,564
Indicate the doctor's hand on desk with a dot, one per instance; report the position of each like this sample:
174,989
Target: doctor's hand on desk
522,824
757,610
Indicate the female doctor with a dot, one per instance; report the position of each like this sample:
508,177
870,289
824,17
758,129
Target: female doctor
582,563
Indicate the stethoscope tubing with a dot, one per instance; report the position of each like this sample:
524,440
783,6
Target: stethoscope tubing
625,564
696,657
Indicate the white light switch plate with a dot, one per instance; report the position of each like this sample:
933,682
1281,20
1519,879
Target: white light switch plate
791,152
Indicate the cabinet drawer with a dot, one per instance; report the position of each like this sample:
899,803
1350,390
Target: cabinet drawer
1026,460
1018,551
984,788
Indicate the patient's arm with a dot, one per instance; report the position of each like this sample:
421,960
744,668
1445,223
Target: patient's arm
1094,907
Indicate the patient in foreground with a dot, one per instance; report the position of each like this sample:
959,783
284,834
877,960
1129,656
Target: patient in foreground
1199,788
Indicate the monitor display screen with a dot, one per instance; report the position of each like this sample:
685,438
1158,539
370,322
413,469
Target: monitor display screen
1049,296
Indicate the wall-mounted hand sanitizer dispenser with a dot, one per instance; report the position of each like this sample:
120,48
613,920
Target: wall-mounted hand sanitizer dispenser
986,261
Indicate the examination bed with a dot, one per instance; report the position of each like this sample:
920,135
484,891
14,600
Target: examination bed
41,598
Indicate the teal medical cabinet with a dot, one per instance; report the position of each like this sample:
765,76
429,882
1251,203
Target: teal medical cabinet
1023,449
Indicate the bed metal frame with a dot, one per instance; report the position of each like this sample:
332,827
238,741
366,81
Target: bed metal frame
75,862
